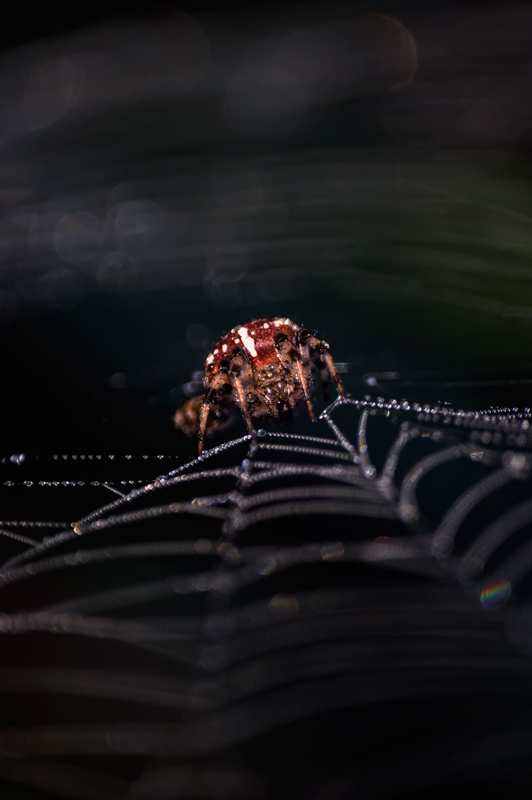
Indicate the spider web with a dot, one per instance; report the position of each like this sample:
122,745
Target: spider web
269,584
338,615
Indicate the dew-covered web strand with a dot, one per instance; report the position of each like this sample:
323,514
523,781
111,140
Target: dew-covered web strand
204,582
18,537
238,511
177,475
360,490
165,480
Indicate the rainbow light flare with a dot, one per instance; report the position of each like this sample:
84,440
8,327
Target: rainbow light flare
496,594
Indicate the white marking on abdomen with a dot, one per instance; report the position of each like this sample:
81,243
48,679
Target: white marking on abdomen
248,342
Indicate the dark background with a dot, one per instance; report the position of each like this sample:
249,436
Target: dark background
380,199
418,266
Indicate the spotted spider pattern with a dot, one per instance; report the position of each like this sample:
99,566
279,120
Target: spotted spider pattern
264,371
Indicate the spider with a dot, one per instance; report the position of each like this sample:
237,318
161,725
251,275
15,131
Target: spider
262,370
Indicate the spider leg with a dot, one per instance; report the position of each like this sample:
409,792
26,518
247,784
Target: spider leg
291,358
304,385
243,403
321,357
204,415
324,374
241,377
219,387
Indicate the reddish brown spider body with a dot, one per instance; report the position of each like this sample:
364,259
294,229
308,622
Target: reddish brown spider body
262,370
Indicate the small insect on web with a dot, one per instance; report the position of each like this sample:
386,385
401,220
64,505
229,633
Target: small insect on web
262,370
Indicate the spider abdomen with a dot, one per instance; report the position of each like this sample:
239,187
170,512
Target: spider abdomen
256,339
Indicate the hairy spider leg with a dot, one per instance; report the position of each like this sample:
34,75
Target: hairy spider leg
324,375
221,379
204,414
321,357
289,356
242,377
303,381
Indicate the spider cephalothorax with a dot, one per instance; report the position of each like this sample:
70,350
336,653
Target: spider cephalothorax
262,370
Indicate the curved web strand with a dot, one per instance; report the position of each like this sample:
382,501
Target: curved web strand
243,574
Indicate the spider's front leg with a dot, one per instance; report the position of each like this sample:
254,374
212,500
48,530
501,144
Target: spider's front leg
215,396
241,377
318,351
291,359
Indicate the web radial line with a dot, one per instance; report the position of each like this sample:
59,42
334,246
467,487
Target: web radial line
475,558
207,454
408,506
175,480
166,482
447,529
214,451
339,401
112,489
344,441
19,537
162,482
